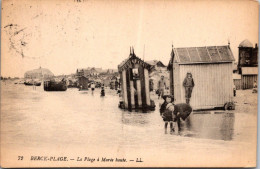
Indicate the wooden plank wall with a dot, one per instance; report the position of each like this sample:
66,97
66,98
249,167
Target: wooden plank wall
213,85
238,83
248,81
142,81
147,90
124,88
177,83
128,89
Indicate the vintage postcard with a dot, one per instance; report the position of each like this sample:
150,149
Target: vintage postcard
129,83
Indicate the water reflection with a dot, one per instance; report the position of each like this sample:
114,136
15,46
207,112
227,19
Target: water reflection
135,118
219,126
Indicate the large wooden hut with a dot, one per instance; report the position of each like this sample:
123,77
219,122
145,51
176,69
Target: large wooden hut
211,68
134,78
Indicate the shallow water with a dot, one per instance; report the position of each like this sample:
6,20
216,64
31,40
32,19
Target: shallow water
35,118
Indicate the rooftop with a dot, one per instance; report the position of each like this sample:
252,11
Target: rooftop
246,44
207,54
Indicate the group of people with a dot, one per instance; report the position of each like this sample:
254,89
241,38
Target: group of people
188,84
173,113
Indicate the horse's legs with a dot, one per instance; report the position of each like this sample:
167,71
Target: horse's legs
179,123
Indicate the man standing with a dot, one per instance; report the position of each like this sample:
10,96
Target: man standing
161,87
116,84
151,84
188,84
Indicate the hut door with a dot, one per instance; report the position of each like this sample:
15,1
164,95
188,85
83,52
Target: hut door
135,77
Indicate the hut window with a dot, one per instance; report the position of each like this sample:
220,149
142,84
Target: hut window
135,73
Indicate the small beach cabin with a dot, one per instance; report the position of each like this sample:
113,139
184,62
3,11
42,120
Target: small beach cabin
249,77
83,82
212,70
134,78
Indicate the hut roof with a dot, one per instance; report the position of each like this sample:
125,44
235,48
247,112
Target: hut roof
155,62
207,54
249,70
245,44
132,59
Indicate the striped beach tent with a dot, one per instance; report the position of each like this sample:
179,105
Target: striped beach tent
134,77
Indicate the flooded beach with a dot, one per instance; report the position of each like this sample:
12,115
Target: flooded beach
79,122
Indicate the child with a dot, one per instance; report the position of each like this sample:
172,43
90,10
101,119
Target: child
166,111
174,112
188,84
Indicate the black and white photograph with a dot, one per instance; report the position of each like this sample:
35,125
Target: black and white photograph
129,83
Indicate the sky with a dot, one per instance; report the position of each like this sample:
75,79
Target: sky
63,35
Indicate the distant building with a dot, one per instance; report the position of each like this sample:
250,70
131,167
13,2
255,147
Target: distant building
90,71
111,71
247,55
38,73
157,65
157,70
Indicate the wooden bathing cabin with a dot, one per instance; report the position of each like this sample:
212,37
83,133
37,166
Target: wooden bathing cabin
134,79
83,82
212,70
249,76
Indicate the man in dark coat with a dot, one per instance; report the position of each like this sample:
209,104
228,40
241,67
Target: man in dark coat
188,84
161,87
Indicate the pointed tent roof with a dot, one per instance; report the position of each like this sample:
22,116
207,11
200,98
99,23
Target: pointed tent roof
171,60
132,59
207,54
246,44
